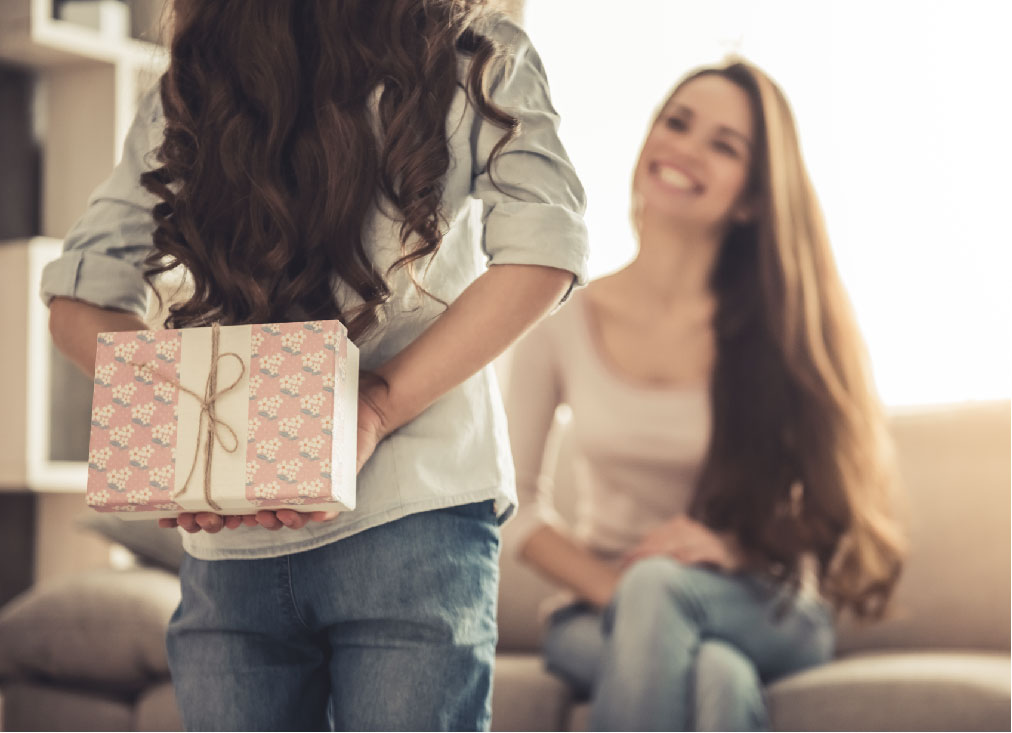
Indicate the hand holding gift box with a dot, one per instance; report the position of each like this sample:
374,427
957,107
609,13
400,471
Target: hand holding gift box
230,419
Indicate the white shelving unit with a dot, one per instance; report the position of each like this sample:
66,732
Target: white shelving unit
87,86
26,378
30,35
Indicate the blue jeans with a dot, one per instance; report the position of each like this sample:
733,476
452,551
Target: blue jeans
686,648
390,629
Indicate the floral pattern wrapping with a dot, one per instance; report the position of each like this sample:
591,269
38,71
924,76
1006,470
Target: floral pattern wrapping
294,369
287,460
131,457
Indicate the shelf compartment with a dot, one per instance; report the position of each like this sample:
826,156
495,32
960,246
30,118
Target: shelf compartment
32,37
27,370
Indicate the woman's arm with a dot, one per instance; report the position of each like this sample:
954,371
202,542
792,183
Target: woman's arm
538,535
75,326
562,559
492,313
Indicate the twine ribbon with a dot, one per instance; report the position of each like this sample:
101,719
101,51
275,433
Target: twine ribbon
208,404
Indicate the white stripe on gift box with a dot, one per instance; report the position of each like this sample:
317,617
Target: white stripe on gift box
228,470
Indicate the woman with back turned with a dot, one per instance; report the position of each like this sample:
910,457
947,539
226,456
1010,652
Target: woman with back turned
313,159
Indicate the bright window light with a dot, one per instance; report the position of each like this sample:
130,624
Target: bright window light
904,119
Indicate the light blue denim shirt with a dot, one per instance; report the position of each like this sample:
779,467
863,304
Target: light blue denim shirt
457,451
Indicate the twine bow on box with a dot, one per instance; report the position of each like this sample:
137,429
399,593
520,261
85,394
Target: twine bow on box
207,408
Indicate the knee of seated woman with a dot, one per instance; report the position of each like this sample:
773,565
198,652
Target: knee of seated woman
723,667
728,692
658,577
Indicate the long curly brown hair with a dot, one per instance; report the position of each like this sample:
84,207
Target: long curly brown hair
799,462
272,158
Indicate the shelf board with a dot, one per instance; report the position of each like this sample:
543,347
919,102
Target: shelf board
52,43
54,477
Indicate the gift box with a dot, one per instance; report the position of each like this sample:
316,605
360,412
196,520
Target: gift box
231,419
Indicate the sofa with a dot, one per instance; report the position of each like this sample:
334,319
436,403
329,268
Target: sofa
87,652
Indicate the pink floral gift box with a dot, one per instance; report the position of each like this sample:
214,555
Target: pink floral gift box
230,419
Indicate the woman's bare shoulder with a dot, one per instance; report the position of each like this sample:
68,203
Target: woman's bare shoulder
608,294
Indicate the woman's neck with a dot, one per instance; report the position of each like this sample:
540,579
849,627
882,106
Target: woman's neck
674,262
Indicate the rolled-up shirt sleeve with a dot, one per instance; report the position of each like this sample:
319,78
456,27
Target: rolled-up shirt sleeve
533,201
104,252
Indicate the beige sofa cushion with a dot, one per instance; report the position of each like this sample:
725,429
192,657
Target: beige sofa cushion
104,629
156,709
30,707
955,589
896,691
526,697
907,691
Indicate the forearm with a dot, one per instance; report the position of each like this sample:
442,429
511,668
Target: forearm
492,313
75,326
565,561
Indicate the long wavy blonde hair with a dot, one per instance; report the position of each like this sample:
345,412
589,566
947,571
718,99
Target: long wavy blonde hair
800,461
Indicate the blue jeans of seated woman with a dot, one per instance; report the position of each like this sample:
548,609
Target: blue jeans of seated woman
390,629
686,648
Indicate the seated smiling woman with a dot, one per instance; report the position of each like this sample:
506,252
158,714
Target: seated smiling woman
733,467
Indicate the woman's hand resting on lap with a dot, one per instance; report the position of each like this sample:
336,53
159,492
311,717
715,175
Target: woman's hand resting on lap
689,542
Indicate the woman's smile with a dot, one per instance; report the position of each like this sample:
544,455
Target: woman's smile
674,177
